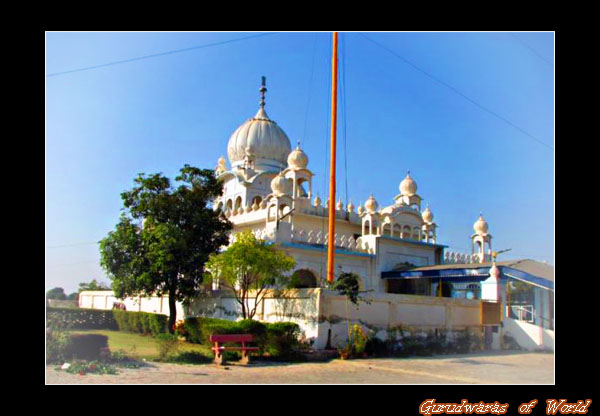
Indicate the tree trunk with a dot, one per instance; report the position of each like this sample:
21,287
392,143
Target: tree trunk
172,310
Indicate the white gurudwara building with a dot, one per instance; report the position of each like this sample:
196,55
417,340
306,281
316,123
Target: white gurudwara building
268,189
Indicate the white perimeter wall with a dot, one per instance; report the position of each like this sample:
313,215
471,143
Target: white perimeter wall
104,299
529,336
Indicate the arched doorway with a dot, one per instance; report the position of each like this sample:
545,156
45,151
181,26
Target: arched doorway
303,279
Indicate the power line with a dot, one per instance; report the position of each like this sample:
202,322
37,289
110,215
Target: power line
487,110
70,264
159,54
312,72
75,244
536,53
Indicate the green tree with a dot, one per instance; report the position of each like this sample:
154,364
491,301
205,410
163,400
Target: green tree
164,252
249,267
93,285
73,296
56,293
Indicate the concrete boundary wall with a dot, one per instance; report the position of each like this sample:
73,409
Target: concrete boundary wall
104,299
387,311
321,314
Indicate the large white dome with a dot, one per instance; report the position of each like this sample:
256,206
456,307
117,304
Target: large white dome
261,139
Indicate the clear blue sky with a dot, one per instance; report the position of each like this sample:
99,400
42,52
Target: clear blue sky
105,125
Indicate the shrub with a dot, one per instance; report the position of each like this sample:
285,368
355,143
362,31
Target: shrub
376,347
141,322
282,338
191,357
58,346
199,330
81,318
88,346
278,339
167,345
357,341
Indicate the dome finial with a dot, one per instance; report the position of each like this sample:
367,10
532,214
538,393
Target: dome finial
262,90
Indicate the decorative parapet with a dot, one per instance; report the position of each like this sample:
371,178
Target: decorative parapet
452,257
319,237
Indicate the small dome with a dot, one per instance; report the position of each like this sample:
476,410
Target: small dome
408,186
480,226
360,210
297,159
427,215
340,205
317,201
371,204
350,207
279,185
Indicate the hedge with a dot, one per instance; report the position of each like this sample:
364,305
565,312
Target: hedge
141,322
277,339
88,346
72,318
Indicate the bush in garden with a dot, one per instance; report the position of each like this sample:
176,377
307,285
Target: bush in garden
168,344
278,339
88,346
141,322
81,318
58,346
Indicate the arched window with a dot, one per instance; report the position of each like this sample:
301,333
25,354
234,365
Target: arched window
220,206
229,205
303,279
238,202
256,199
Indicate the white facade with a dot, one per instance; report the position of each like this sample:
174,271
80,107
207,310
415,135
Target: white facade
268,190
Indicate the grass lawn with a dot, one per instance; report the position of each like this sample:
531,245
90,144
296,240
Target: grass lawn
141,346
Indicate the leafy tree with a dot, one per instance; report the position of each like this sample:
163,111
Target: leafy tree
250,267
348,284
176,231
73,296
93,285
57,293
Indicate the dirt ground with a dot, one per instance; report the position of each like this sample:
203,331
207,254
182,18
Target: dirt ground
483,368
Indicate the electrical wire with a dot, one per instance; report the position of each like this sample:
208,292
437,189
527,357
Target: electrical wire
536,53
445,84
139,58
310,82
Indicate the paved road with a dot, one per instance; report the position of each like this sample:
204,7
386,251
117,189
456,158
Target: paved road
484,368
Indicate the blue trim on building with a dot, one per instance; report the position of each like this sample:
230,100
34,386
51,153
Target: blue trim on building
462,275
323,248
518,274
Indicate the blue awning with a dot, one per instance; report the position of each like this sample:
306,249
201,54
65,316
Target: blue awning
469,274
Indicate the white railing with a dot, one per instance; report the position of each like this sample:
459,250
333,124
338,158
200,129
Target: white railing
319,237
451,257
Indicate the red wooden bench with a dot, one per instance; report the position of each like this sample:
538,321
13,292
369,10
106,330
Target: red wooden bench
239,338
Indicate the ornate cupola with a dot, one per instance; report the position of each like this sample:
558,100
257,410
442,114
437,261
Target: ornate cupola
429,227
408,193
298,173
369,217
481,240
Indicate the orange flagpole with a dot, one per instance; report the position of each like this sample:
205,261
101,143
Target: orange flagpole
331,242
